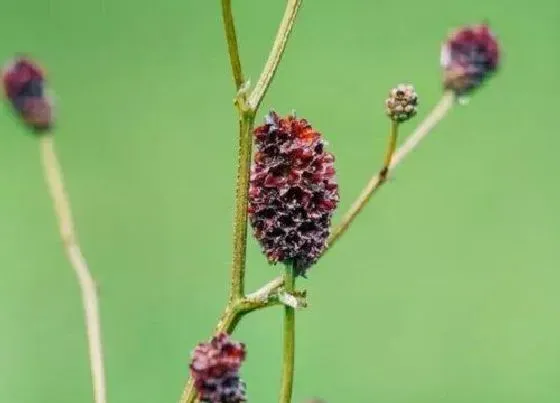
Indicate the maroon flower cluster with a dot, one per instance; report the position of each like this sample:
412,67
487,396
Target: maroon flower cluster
214,368
24,87
293,191
468,57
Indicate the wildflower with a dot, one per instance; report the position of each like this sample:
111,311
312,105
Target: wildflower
293,191
402,103
469,56
24,86
214,368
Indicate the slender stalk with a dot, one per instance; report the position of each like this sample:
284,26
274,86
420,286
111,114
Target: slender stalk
284,30
390,149
54,180
436,115
233,48
289,340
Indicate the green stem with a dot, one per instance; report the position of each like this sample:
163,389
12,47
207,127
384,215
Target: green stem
275,56
233,48
391,147
233,313
246,121
289,341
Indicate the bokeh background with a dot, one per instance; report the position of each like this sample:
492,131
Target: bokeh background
446,288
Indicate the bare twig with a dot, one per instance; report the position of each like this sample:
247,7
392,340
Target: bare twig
53,177
276,53
289,342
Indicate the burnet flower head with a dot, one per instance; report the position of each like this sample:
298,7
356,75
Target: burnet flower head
24,86
293,191
215,370
402,103
468,57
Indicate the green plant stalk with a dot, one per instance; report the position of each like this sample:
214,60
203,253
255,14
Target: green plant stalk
289,340
233,48
275,56
437,114
391,147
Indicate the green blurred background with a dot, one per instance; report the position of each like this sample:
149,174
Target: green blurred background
446,288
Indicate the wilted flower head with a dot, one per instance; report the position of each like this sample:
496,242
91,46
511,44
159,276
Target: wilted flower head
468,57
402,103
293,191
214,368
24,86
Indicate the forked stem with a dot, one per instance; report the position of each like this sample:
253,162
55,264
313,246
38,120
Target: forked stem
289,340
55,183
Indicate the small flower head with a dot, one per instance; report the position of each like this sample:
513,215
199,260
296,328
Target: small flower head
214,368
293,191
24,86
402,103
469,56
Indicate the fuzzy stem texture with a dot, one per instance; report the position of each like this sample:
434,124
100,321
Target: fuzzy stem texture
275,56
289,340
55,183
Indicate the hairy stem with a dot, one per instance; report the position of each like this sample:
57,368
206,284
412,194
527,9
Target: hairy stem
241,201
233,48
55,183
377,180
289,341
390,150
284,30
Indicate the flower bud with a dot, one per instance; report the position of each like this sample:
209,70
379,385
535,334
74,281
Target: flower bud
402,103
469,56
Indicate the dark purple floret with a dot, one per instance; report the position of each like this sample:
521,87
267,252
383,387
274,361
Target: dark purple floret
293,191
215,370
24,86
469,56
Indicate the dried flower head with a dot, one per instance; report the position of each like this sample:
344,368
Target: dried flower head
214,368
24,86
293,191
402,103
469,56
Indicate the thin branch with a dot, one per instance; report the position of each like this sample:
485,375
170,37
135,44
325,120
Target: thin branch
276,53
241,201
233,48
289,341
437,114
53,177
